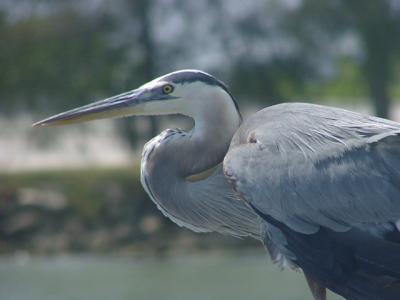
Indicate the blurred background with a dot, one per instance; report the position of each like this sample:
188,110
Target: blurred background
75,222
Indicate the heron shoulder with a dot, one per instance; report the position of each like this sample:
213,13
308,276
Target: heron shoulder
312,124
315,165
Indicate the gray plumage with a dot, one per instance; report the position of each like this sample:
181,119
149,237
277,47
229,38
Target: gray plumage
201,205
310,166
319,186
327,181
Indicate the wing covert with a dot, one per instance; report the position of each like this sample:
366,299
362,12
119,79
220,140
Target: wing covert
309,166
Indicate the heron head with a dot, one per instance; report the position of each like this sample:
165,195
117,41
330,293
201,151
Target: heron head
187,92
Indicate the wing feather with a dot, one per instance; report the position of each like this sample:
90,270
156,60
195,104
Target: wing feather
309,166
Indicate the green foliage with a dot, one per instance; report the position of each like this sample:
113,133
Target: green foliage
347,83
87,191
375,23
395,88
271,83
96,210
65,58
54,61
75,210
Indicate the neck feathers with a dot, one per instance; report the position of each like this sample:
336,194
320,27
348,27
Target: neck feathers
216,121
208,203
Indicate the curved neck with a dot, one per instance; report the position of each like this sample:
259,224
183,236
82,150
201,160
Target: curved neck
205,205
209,139
181,154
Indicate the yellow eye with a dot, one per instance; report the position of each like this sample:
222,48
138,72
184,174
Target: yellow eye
167,89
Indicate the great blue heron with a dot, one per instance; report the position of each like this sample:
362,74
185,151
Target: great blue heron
319,186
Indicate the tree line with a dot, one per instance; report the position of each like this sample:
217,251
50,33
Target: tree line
55,55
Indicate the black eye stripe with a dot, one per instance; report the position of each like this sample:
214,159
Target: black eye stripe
189,76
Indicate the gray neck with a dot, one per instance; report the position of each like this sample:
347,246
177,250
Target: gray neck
205,205
207,143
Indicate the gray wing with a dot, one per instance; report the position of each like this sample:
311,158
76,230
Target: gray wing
308,166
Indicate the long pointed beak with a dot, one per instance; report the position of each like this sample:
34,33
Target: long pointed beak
122,105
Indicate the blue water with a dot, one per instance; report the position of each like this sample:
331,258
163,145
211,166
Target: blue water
200,277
